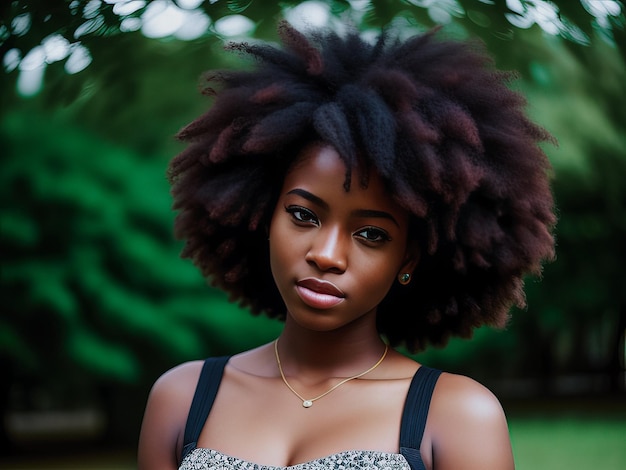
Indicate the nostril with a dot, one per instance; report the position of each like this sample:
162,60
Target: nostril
327,262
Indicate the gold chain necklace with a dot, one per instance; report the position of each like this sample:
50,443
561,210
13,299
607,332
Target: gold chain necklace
308,403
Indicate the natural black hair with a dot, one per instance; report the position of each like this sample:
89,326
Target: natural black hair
432,116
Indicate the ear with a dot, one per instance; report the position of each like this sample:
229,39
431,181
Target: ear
411,258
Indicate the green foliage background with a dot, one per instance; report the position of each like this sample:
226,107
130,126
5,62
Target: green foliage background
95,300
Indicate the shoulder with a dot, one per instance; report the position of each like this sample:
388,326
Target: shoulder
176,387
173,391
467,427
180,380
464,397
166,415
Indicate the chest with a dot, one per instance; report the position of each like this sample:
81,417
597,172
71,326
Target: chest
260,420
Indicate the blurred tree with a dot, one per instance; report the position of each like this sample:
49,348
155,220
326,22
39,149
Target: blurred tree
92,286
583,301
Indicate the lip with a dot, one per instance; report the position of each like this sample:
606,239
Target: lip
319,294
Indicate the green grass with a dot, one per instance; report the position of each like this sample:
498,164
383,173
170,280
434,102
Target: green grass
569,443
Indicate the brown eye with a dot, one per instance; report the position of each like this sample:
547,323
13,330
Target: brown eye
373,235
302,214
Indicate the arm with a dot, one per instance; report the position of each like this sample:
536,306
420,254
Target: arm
163,426
468,427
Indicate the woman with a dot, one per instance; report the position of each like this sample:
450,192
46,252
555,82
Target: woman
371,196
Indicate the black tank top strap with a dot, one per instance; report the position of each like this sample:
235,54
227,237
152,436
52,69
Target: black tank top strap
204,396
415,414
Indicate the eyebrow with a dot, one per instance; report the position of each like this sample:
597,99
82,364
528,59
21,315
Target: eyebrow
365,213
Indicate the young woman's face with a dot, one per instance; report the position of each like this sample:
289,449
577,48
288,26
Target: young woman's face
335,254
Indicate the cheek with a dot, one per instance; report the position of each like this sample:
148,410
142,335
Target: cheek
379,271
277,265
274,232
376,273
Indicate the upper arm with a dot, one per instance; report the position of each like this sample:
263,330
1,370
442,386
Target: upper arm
468,429
165,417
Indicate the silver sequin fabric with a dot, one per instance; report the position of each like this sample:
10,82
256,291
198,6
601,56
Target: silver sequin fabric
209,459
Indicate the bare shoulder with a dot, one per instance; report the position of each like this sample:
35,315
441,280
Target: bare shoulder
172,393
464,398
467,426
165,417
179,381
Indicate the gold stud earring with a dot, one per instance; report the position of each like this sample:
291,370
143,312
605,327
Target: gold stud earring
404,278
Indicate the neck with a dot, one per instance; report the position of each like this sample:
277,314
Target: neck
337,353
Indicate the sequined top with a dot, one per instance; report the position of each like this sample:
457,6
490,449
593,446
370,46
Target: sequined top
209,459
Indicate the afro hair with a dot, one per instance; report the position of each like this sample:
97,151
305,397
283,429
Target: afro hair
432,116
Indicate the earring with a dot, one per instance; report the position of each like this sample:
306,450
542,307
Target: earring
404,278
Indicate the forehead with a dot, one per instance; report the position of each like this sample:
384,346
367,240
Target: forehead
320,169
322,159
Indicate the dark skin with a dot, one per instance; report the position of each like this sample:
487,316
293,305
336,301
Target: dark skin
358,242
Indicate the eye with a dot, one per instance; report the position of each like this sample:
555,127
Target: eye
302,215
373,235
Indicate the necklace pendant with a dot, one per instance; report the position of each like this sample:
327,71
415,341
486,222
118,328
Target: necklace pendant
307,403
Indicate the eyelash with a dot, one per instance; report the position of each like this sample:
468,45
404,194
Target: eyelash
294,210
297,212
380,235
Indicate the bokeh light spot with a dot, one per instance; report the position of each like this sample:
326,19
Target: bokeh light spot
11,59
308,14
195,24
161,18
21,24
79,59
234,25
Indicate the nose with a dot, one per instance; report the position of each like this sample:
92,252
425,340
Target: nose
329,250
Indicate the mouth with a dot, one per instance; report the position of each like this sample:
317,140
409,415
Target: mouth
319,294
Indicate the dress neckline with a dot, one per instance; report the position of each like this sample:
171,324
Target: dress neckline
228,462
